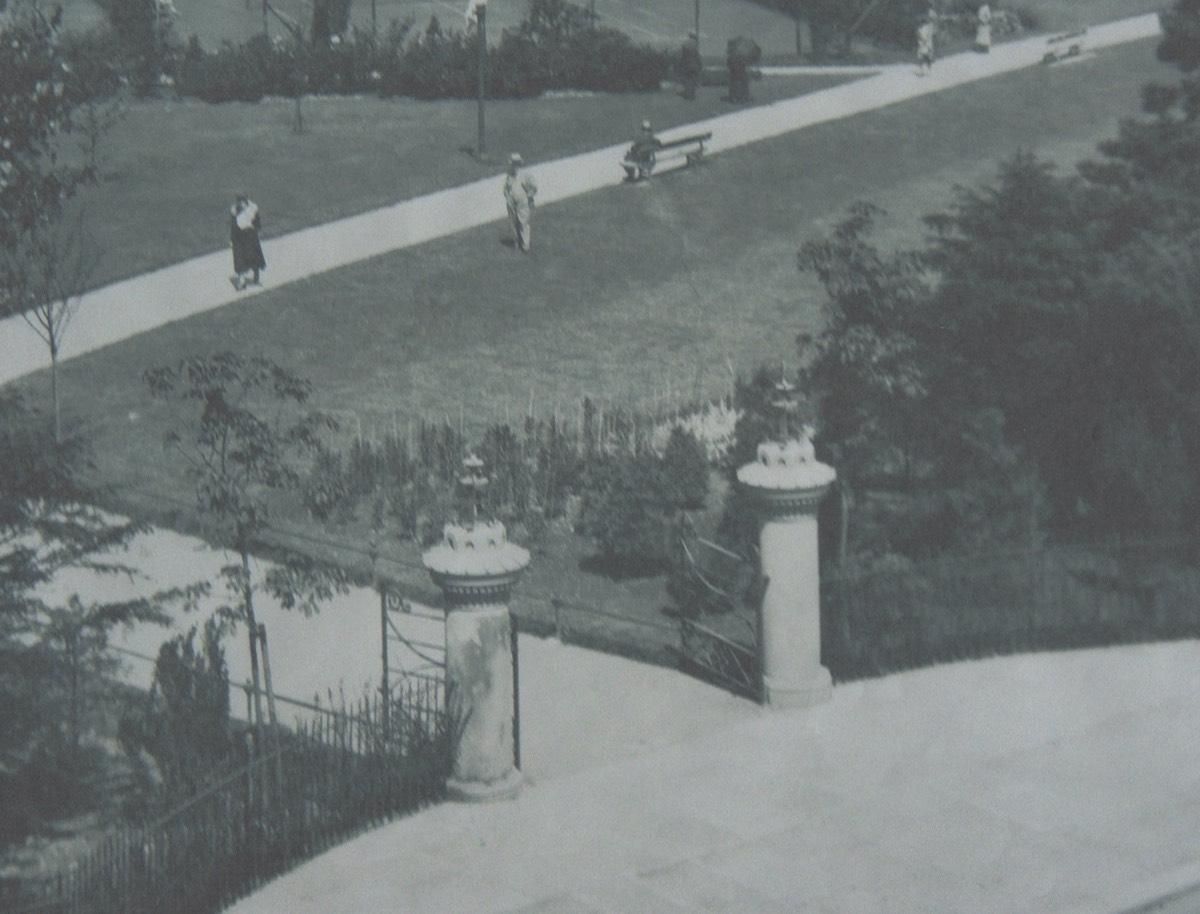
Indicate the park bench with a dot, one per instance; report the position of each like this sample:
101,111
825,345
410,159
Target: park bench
1060,47
672,154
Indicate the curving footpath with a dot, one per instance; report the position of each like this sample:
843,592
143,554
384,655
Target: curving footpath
123,309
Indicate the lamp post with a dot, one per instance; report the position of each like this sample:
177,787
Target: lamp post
481,40
697,25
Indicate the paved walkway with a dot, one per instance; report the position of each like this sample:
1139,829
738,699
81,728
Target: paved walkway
1042,783
136,305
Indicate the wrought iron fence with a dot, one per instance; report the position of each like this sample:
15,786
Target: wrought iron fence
335,776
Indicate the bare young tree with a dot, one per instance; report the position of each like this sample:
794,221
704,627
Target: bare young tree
46,259
48,267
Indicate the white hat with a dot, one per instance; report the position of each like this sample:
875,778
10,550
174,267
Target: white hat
646,125
515,158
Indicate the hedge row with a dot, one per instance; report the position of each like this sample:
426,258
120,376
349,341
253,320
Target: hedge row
399,61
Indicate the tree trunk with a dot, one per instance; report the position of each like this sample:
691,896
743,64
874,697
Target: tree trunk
54,389
252,633
73,659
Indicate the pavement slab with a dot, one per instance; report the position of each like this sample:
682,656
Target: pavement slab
823,810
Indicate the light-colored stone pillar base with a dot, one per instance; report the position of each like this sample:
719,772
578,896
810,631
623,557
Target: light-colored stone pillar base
784,695
480,792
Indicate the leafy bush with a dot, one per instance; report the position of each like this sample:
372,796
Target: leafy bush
144,31
326,493
234,73
713,426
685,471
549,51
184,723
54,781
330,18
626,511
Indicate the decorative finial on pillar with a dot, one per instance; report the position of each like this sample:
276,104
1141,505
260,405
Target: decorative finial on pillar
787,401
473,484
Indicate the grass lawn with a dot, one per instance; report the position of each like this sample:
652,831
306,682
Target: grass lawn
170,169
1055,15
628,289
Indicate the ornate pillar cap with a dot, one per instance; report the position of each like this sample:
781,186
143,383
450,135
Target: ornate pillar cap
787,478
476,564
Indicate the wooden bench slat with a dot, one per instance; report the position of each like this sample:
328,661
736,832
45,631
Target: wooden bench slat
686,150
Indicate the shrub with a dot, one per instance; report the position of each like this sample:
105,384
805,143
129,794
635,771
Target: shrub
326,492
54,781
234,73
329,18
185,723
713,427
549,51
625,510
144,30
684,471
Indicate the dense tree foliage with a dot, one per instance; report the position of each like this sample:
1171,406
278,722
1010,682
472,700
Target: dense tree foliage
54,656
1036,365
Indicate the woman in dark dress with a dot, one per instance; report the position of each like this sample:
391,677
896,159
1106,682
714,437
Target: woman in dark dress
248,260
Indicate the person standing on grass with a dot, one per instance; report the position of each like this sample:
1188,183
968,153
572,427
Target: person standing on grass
691,67
925,45
983,29
248,260
519,192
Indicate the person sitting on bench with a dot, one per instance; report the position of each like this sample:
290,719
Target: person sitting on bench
645,144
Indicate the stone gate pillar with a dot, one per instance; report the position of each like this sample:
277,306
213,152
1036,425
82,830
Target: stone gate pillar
476,568
786,484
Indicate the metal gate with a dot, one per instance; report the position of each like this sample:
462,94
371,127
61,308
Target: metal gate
409,648
719,581
408,653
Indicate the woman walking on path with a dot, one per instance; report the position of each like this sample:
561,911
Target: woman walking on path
248,260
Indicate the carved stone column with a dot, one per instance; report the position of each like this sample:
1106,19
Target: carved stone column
476,568
786,484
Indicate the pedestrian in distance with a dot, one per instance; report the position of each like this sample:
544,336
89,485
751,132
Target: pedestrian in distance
741,54
925,38
519,192
983,29
691,67
248,260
